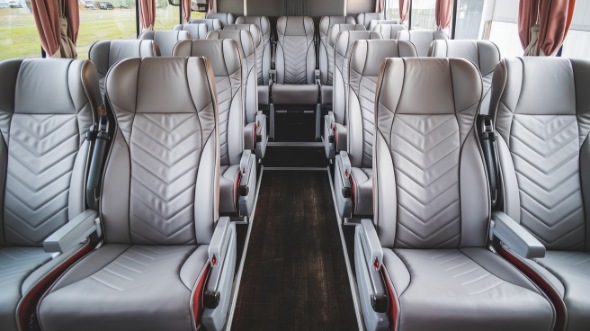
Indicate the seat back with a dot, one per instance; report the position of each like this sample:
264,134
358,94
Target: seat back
366,58
43,150
326,51
105,53
366,18
484,54
224,18
333,33
196,30
225,58
388,30
166,39
161,179
247,46
421,38
295,54
541,108
430,180
342,47
376,22
212,23
263,52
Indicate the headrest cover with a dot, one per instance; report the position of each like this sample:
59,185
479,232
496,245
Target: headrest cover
242,37
196,30
484,54
327,21
295,26
161,85
261,22
224,18
252,28
345,40
337,28
212,23
222,54
429,86
367,56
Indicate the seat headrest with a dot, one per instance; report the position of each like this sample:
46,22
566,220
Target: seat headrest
252,28
415,35
428,86
166,39
389,31
163,85
48,86
105,53
295,26
345,40
242,37
327,21
366,18
212,23
337,28
375,22
196,30
223,55
542,86
484,54
367,56
261,22
224,18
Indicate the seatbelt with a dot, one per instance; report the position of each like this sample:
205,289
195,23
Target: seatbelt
487,137
98,135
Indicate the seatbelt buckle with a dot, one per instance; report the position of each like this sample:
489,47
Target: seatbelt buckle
273,76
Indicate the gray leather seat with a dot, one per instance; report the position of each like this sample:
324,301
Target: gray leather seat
196,30
224,18
335,131
388,30
295,67
105,53
44,118
166,39
366,18
366,58
376,22
432,209
164,243
263,54
326,54
249,38
212,23
484,54
541,108
421,39
226,57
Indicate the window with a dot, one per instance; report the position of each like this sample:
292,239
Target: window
469,18
392,10
197,5
18,32
505,36
104,20
577,45
423,17
167,16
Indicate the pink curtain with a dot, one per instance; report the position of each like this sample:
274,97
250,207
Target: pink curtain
46,14
186,10
147,14
212,6
72,14
404,10
528,13
380,6
443,11
555,18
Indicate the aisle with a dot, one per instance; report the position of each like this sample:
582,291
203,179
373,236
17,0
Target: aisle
294,275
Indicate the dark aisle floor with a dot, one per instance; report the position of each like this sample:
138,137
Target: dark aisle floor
294,275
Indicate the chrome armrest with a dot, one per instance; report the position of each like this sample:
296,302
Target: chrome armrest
73,232
515,237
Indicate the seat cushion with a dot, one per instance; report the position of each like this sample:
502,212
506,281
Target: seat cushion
126,287
573,270
464,289
295,95
228,188
363,191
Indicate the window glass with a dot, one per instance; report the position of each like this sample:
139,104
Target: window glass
505,36
469,14
18,32
105,20
577,45
167,16
392,9
423,15
198,5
